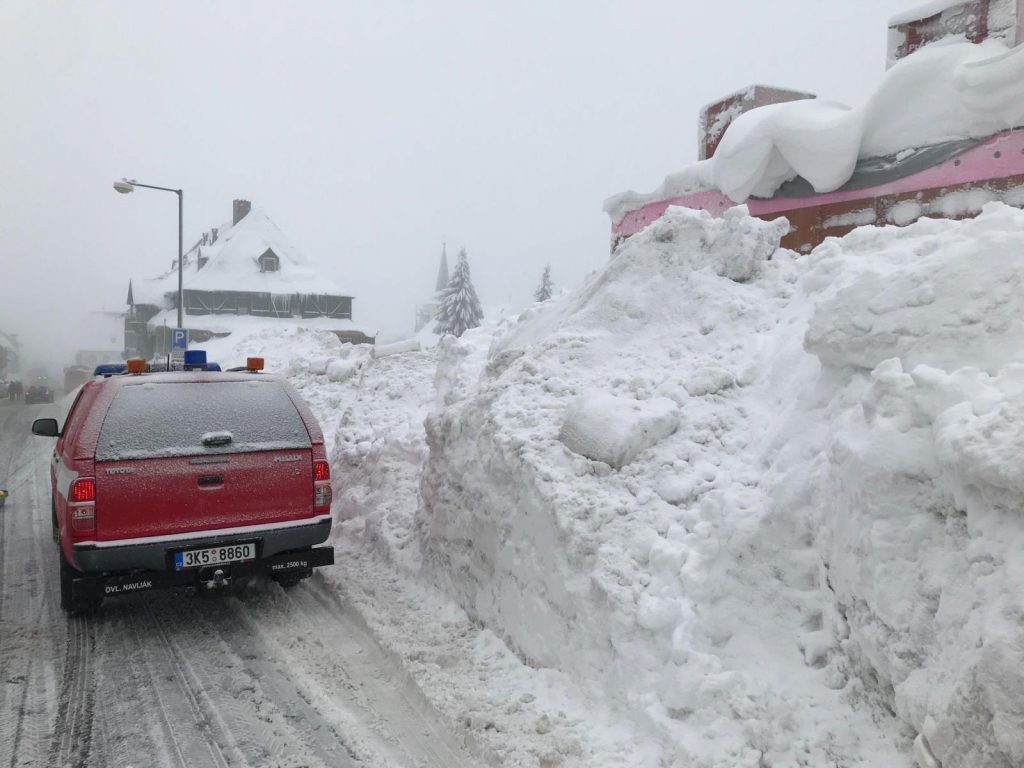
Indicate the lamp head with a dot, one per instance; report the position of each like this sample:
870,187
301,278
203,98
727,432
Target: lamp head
124,186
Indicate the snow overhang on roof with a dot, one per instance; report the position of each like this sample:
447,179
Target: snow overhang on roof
941,93
923,11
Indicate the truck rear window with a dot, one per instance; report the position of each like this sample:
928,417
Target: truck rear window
172,419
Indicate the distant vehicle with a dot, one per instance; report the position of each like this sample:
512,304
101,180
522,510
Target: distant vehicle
39,392
75,376
193,478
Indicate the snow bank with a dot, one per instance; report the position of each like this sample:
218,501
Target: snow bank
278,345
663,585
822,563
939,93
508,712
918,489
807,548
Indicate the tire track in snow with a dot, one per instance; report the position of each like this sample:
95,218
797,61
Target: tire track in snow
28,632
352,681
292,709
210,726
73,728
251,711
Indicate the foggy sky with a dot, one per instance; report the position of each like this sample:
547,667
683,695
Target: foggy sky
369,132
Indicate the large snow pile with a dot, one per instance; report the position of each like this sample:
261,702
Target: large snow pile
509,713
279,344
939,93
792,533
917,489
719,506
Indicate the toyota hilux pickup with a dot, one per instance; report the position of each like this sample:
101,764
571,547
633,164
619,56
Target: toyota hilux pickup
190,478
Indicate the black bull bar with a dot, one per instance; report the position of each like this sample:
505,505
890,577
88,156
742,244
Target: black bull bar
287,565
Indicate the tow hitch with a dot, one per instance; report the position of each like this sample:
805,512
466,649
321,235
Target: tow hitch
219,580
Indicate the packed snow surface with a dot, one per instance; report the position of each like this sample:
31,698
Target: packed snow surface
720,506
939,93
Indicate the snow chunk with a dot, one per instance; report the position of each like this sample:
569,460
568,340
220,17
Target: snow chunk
987,448
398,348
339,370
732,246
615,430
709,381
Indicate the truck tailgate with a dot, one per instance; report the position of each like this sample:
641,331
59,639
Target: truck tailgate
136,498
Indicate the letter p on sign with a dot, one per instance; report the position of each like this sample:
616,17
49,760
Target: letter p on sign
179,338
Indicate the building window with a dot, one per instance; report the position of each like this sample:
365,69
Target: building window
269,262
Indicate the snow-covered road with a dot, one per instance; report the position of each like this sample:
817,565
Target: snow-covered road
261,678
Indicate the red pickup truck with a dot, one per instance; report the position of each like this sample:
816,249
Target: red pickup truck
190,478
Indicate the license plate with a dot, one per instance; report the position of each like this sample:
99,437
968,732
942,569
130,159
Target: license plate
229,553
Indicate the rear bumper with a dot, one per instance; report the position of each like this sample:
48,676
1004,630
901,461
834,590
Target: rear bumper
157,555
285,566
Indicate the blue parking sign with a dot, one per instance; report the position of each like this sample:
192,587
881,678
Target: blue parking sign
179,338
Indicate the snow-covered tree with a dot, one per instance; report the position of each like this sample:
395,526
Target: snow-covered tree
543,292
460,308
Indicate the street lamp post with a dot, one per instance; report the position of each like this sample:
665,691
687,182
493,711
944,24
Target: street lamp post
124,187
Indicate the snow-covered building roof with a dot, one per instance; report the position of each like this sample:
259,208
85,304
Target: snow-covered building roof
959,20
238,277
940,93
232,262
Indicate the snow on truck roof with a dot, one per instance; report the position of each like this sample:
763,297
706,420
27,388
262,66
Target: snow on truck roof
943,92
232,264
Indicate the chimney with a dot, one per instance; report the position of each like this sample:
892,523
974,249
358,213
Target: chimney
971,20
240,211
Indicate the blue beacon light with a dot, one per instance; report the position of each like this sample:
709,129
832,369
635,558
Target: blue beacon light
195,358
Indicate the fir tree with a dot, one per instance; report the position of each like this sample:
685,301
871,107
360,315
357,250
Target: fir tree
543,292
460,308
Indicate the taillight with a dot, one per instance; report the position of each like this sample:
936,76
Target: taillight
83,489
83,519
82,506
321,485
